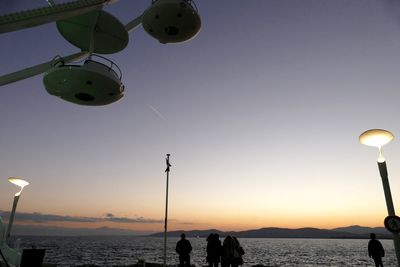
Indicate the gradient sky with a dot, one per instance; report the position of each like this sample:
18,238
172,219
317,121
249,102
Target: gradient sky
261,113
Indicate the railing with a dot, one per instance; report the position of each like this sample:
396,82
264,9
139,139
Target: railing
189,2
111,66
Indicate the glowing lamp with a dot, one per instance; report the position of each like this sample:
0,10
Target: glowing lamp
18,182
21,183
376,138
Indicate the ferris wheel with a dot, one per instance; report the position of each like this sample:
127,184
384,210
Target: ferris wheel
83,23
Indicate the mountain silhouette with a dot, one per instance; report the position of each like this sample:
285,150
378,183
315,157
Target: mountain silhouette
354,232
350,232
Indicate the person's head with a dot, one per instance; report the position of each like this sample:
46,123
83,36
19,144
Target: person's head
183,236
210,237
216,236
372,236
228,239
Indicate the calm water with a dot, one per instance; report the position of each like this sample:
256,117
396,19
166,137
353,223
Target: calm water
109,251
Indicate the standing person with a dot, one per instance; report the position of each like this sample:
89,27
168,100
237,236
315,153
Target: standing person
375,250
231,252
214,248
237,253
227,251
183,248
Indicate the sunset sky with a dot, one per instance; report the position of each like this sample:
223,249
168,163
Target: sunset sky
261,113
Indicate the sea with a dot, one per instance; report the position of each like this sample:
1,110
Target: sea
121,251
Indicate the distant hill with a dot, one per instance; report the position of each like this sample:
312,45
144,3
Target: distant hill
353,232
192,233
362,230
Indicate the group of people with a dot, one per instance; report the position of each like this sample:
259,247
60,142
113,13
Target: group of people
229,253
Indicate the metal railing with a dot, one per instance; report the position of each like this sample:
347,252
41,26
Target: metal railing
189,2
111,66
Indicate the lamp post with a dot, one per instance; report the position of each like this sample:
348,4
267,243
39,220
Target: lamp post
378,138
166,211
21,183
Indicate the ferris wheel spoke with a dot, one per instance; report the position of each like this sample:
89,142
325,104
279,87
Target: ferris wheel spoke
53,12
38,69
133,24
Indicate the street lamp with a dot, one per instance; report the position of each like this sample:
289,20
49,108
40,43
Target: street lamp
378,138
11,256
21,183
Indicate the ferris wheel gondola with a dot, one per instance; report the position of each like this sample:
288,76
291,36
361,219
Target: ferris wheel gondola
172,21
84,24
93,83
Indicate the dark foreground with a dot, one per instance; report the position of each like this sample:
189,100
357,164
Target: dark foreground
132,265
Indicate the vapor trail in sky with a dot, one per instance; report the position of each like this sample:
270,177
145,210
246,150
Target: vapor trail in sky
158,113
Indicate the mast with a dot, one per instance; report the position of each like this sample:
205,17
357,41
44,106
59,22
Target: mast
166,212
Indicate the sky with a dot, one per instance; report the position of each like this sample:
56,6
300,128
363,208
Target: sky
261,113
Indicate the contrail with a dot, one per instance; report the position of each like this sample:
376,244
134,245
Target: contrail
157,112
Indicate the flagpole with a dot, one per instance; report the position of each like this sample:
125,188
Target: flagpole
166,213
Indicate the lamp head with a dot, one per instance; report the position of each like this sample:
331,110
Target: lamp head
18,182
376,138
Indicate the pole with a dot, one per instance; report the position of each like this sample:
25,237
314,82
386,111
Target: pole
389,204
39,16
12,215
37,69
166,213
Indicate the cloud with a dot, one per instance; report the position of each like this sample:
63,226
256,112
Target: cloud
43,218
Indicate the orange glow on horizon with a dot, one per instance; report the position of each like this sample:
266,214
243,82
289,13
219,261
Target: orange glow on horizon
231,223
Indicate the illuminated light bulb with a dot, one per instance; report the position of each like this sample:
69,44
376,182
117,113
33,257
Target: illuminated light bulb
376,138
381,158
18,182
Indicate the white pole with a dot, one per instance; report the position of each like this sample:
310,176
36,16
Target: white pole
11,219
166,213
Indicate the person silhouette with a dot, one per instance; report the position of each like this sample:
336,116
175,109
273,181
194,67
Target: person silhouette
183,248
238,252
214,248
375,250
231,252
